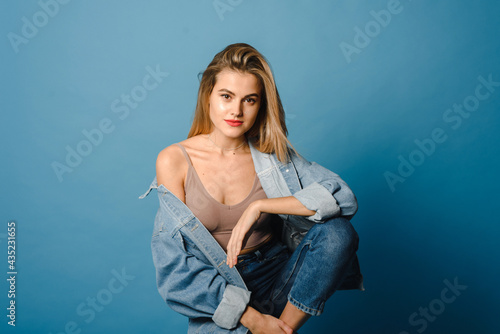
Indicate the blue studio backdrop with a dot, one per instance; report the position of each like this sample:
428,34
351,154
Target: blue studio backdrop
400,98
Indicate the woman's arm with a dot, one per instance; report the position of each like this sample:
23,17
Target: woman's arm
323,195
281,205
289,205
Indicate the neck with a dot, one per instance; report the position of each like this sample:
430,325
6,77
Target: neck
225,144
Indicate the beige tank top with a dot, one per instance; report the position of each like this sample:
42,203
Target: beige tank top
219,218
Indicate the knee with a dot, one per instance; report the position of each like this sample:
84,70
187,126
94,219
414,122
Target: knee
336,235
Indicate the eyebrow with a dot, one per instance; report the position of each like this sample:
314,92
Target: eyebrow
228,91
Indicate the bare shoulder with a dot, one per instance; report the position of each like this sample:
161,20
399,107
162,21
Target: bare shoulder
170,156
173,157
193,143
171,169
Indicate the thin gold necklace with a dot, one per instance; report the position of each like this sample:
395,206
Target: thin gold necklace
223,148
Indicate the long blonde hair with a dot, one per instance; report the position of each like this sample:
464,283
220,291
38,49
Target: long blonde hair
269,130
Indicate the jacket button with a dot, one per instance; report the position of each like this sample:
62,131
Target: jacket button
287,170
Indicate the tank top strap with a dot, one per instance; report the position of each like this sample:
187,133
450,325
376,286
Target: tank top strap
185,154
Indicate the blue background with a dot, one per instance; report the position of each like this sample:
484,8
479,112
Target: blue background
355,115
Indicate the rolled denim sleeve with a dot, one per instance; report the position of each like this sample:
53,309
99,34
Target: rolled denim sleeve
315,197
232,306
323,191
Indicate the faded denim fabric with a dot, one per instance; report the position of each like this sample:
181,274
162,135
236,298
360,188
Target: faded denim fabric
191,272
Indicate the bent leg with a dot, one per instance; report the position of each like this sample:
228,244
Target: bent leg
317,267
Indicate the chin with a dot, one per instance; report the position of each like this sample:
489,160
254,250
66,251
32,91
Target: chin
234,132
235,135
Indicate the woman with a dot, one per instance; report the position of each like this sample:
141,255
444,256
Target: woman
249,236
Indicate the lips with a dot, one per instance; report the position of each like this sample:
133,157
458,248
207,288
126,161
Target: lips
233,122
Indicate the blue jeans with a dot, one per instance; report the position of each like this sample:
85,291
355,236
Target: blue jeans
324,262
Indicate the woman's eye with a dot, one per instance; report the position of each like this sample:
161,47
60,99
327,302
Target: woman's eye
225,96
250,100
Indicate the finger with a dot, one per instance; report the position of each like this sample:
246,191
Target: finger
229,258
287,329
237,248
233,246
234,258
230,250
237,251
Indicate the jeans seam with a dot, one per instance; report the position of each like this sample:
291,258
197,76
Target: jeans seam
276,293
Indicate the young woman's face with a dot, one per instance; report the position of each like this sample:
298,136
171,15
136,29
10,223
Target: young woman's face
234,103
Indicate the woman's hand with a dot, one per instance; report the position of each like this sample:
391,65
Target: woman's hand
241,231
271,325
259,323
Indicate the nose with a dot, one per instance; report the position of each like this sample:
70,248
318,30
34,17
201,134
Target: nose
238,110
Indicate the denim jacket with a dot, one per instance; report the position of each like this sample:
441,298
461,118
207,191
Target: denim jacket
191,271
